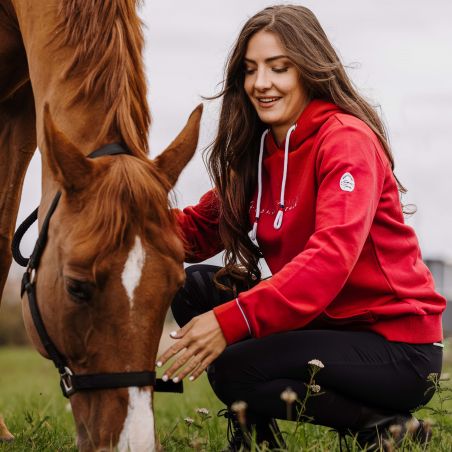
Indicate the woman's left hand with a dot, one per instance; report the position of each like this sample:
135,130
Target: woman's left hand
202,340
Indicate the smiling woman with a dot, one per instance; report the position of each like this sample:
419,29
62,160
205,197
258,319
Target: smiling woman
304,177
272,83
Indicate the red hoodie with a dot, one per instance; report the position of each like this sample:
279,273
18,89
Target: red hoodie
343,257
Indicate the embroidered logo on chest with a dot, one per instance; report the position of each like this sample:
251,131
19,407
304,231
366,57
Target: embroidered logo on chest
347,182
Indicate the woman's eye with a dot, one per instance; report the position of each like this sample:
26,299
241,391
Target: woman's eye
79,291
280,70
249,70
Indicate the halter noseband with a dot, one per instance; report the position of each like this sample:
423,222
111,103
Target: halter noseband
70,382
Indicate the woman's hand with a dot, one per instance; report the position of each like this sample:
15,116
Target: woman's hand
202,340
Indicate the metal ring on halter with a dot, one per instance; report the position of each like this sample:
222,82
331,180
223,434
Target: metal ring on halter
66,382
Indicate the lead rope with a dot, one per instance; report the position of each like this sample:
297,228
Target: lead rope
279,216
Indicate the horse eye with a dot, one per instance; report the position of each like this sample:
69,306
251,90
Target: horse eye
79,291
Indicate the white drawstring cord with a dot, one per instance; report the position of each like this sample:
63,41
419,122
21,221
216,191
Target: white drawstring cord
253,233
279,216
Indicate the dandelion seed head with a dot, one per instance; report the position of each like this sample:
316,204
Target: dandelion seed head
316,363
289,396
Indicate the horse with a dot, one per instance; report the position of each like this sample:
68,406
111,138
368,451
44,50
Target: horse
72,81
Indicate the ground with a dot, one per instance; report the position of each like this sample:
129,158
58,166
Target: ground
40,418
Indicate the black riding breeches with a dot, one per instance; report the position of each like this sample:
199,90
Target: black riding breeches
362,370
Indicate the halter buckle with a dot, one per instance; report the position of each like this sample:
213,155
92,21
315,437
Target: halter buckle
31,273
66,382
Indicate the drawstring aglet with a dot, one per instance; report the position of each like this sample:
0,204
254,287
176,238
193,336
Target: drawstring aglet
253,233
279,217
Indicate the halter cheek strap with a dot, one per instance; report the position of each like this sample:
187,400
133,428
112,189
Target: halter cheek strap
70,382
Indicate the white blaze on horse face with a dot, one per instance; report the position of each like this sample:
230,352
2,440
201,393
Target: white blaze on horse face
131,275
138,431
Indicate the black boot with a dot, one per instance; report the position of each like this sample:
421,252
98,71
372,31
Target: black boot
240,434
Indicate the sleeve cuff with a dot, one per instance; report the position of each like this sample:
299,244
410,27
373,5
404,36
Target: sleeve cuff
232,321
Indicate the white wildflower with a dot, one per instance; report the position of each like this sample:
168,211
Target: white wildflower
239,406
189,420
203,411
395,430
316,363
289,396
314,388
412,426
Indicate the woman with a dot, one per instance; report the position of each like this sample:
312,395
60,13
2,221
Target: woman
304,177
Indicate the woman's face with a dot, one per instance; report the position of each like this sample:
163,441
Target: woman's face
272,83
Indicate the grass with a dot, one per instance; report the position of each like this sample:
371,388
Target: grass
37,414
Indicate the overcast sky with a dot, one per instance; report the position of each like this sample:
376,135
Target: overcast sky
400,53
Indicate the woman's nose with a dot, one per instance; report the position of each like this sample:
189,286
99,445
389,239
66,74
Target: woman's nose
263,81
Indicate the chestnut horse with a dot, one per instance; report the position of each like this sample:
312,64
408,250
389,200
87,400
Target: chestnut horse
72,81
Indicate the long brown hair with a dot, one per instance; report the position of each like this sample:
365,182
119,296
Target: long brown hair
234,152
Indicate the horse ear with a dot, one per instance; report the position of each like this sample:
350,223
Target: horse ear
68,165
176,156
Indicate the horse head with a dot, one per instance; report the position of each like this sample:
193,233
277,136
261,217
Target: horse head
111,266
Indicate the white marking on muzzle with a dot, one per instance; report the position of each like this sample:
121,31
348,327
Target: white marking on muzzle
131,275
138,431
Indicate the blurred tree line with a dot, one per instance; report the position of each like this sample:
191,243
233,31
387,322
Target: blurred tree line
12,330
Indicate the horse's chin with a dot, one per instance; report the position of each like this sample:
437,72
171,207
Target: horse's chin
121,420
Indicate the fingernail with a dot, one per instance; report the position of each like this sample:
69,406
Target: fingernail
175,379
158,364
173,333
165,377
191,378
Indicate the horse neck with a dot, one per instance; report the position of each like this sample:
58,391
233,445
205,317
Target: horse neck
82,119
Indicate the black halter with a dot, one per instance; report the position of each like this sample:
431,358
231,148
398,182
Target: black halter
69,382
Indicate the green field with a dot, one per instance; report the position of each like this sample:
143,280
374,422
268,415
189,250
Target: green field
37,414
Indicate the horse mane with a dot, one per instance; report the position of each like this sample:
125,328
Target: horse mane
130,196
107,40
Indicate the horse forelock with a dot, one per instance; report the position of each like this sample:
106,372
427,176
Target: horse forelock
107,40
130,196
